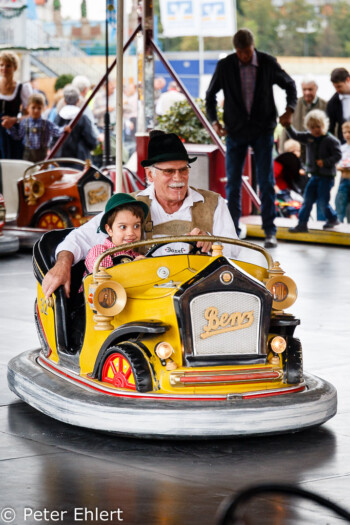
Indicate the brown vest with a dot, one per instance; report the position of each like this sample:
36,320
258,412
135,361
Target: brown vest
202,216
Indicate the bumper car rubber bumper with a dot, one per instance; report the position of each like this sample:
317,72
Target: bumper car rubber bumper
58,397
8,244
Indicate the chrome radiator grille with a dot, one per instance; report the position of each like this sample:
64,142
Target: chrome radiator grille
225,323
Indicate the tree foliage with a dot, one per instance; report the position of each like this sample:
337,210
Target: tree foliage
62,81
182,120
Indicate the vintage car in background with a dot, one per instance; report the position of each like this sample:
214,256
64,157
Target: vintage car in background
8,243
56,194
177,346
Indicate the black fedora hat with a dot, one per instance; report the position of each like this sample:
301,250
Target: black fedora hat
163,147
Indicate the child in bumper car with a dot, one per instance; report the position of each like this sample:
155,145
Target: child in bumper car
122,221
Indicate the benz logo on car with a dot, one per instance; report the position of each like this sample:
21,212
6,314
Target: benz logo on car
220,324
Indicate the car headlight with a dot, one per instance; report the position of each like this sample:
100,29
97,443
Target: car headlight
283,290
164,350
109,298
278,344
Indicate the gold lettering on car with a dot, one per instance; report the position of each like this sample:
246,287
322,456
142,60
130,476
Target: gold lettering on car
98,195
220,324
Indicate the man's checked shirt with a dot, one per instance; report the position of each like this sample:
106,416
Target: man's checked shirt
35,133
248,79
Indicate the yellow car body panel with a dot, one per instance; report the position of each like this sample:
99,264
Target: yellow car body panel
47,319
148,300
154,289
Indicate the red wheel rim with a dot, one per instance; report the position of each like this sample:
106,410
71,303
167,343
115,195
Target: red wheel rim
117,371
51,221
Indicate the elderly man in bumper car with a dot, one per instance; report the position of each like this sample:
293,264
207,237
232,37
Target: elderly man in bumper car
175,209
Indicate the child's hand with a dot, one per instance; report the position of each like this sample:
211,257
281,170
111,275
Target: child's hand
67,129
319,163
302,172
139,257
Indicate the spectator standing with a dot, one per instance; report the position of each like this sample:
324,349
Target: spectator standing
322,154
83,85
342,199
99,108
52,111
13,99
61,81
309,101
170,97
159,84
82,138
247,78
338,107
130,112
35,132
36,87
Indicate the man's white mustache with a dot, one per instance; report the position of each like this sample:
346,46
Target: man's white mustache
177,185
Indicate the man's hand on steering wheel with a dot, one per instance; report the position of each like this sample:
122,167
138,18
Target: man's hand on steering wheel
205,246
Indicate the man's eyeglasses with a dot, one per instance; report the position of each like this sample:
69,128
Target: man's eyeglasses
169,172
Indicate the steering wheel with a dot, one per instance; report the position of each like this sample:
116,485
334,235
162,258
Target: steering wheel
56,162
121,258
194,250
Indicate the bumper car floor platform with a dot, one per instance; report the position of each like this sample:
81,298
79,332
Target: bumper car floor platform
339,235
139,415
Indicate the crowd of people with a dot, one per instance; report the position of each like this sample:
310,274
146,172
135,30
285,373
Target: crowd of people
246,77
29,127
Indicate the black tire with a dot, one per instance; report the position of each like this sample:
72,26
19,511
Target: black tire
54,218
138,364
293,361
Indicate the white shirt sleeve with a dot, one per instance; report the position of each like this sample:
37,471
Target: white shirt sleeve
223,227
80,240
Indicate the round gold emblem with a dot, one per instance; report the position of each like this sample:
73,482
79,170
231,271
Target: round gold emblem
226,277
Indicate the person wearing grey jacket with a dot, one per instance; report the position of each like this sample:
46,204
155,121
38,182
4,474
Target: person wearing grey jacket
322,154
82,138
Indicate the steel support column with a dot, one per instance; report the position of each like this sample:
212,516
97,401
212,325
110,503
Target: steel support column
145,62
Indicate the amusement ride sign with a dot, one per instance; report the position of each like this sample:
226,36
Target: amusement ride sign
197,17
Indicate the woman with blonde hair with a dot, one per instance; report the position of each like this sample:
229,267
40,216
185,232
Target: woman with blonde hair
13,99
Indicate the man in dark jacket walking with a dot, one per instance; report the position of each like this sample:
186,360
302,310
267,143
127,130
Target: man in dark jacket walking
338,107
247,78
